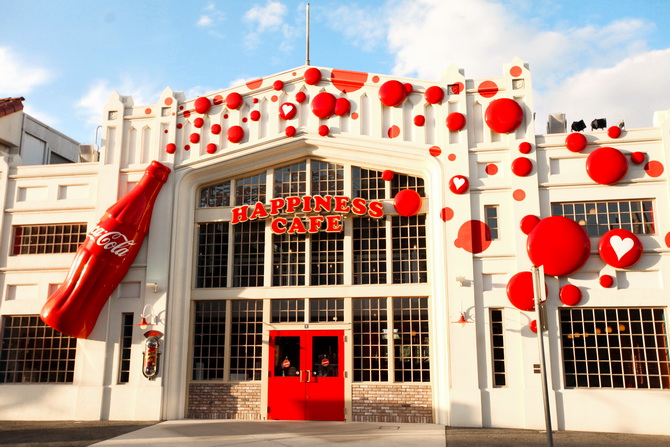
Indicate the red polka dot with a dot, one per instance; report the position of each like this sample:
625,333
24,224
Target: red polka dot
324,130
491,169
570,295
354,116
392,93
451,157
168,101
255,115
394,131
198,122
606,165
387,175
323,105
446,214
375,79
342,106
165,131
300,97
202,105
278,85
235,134
312,76
407,202
606,281
290,131
503,115
522,166
434,151
559,244
455,121
528,223
667,240
234,100
170,148
459,184
409,88
216,129
348,81
419,120
474,236
520,291
147,111
255,100
487,89
225,116
638,157
211,148
654,168
194,138
614,132
434,94
274,98
519,195
576,142
187,147
244,120
457,88
515,71
251,85
218,100
533,326
187,113
179,125
525,147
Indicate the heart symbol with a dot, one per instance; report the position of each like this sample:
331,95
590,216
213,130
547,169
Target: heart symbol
286,108
458,183
621,246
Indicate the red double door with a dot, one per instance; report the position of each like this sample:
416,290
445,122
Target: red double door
306,380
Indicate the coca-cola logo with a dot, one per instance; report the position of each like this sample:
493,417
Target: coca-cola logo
116,242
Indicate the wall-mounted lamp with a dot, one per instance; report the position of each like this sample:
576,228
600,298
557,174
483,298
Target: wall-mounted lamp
460,280
147,317
153,285
462,320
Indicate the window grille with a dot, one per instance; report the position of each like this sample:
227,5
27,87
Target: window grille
209,340
250,190
291,180
33,352
327,258
498,347
326,310
597,218
411,349
215,195
288,311
246,340
212,268
491,220
371,343
615,348
248,263
402,181
288,268
46,239
367,184
409,249
327,178
125,345
369,250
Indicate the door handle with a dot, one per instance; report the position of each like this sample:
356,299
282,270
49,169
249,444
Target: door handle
309,376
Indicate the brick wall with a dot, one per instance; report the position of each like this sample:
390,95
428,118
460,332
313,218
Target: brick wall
224,401
392,403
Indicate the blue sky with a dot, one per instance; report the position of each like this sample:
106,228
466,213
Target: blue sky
590,59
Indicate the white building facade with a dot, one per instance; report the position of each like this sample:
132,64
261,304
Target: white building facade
370,284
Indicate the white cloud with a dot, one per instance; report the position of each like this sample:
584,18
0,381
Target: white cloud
360,26
211,19
205,21
266,19
18,77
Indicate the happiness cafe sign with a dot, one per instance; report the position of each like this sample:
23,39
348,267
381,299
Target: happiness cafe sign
311,208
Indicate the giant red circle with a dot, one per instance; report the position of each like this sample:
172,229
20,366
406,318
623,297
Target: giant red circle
323,105
522,166
559,244
520,291
392,93
455,121
503,115
235,134
312,76
570,295
202,105
620,248
434,94
407,202
575,142
606,165
234,100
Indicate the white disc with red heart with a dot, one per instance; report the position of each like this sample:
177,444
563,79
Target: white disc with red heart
620,248
287,111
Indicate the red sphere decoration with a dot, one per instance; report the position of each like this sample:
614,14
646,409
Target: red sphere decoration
407,202
255,115
435,151
525,147
620,248
528,223
290,131
520,291
387,175
503,115
419,120
559,244
638,157
570,295
194,138
576,142
606,165
234,101
300,97
202,105
170,148
342,106
614,132
312,76
533,326
459,184
211,148
323,105
216,129
434,94
409,88
455,121
198,122
324,130
278,85
392,93
235,134
522,166
606,281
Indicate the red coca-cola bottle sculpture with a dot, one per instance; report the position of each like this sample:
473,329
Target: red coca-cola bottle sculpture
104,258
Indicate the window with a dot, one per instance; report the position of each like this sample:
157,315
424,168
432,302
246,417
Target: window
250,190
369,253
288,268
288,311
209,340
401,181
367,184
597,218
125,345
246,340
327,259
41,239
215,195
371,344
409,249
326,310
491,220
615,348
33,352
410,323
212,254
497,347
291,180
327,178
248,262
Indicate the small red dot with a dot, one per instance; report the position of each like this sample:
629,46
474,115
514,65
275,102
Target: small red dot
300,97
147,111
419,120
525,147
244,120
278,85
324,130
654,168
171,148
165,131
519,195
255,115
435,151
211,148
168,101
375,79
491,169
255,100
446,214
394,131
487,89
515,71
179,125
451,157
290,131
274,98
387,175
354,116
187,147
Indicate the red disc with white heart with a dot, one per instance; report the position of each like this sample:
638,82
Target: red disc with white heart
620,248
459,184
287,111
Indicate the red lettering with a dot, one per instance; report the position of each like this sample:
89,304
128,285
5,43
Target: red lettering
292,204
323,203
376,210
315,223
333,224
307,204
297,226
259,212
342,204
240,214
358,206
276,205
279,225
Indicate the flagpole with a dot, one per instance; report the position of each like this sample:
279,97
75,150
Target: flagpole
307,35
